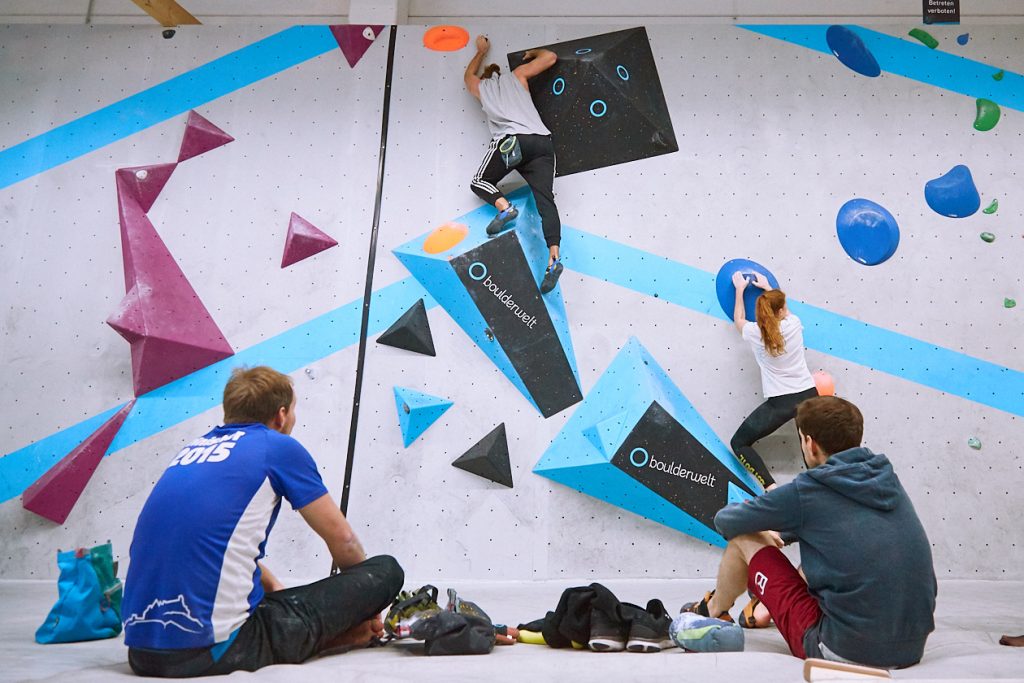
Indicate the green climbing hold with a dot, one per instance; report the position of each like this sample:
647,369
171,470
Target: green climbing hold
988,115
991,208
988,237
974,442
999,75
924,37
1009,303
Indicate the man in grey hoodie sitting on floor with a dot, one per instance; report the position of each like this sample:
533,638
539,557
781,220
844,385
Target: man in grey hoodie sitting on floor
869,593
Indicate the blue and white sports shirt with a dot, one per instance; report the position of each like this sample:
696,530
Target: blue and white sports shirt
193,578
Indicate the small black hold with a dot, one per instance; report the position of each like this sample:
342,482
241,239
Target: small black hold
489,334
168,33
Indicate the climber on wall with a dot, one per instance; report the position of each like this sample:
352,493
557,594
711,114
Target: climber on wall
519,142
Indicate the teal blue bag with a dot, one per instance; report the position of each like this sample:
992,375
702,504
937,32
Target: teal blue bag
88,603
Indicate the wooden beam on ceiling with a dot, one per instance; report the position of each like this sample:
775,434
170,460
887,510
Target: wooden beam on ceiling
167,12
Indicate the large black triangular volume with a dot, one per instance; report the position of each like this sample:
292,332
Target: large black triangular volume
411,332
488,458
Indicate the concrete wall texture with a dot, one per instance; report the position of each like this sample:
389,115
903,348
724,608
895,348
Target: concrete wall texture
774,133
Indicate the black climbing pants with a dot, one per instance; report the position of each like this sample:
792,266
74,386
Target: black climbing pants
288,626
537,168
766,418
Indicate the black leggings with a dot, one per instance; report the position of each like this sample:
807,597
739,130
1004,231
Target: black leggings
766,418
288,626
538,170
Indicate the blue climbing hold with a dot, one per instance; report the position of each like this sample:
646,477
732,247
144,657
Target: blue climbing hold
954,194
963,38
851,51
727,292
868,232
417,411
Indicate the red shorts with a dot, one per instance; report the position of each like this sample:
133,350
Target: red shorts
777,583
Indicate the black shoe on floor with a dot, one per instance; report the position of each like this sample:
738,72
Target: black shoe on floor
607,633
503,220
648,630
551,276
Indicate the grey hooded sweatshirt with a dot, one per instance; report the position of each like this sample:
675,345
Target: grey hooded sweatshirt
864,551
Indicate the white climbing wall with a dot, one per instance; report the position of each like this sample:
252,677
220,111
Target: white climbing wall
773,139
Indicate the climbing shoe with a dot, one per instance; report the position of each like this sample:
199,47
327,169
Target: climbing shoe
701,607
409,608
551,276
503,220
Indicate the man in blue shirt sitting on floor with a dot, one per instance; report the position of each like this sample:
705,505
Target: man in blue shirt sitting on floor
197,599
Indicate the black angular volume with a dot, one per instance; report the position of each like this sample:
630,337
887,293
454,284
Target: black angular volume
411,332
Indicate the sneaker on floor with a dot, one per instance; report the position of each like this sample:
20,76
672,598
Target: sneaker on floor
503,220
551,276
607,633
648,629
701,607
695,633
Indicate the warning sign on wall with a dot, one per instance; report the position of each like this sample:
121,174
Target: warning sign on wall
941,11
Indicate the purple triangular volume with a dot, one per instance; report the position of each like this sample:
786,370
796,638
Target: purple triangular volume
200,137
355,39
170,331
144,183
54,494
304,240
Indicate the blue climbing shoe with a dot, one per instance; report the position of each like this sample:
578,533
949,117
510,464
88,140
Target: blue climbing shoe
551,276
503,220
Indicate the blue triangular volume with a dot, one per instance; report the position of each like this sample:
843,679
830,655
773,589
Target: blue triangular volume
581,454
515,261
417,411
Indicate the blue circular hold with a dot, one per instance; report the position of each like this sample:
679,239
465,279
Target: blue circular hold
482,275
583,50
851,51
727,292
604,108
867,231
623,74
953,195
647,457
963,38
555,86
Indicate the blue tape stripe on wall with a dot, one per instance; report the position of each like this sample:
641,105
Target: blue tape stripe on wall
910,59
897,354
140,111
847,338
173,403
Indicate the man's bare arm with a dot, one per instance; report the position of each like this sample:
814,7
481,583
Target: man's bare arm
537,61
324,517
473,68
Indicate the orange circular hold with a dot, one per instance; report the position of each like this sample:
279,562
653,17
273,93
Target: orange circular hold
445,38
824,383
444,237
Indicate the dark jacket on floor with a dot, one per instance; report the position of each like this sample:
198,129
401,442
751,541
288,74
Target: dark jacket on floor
863,549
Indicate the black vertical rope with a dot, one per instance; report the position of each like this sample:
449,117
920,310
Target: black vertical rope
370,262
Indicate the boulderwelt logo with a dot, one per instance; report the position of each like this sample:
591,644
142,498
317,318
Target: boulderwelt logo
639,457
478,272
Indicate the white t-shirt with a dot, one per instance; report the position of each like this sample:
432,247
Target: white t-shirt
509,107
785,374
